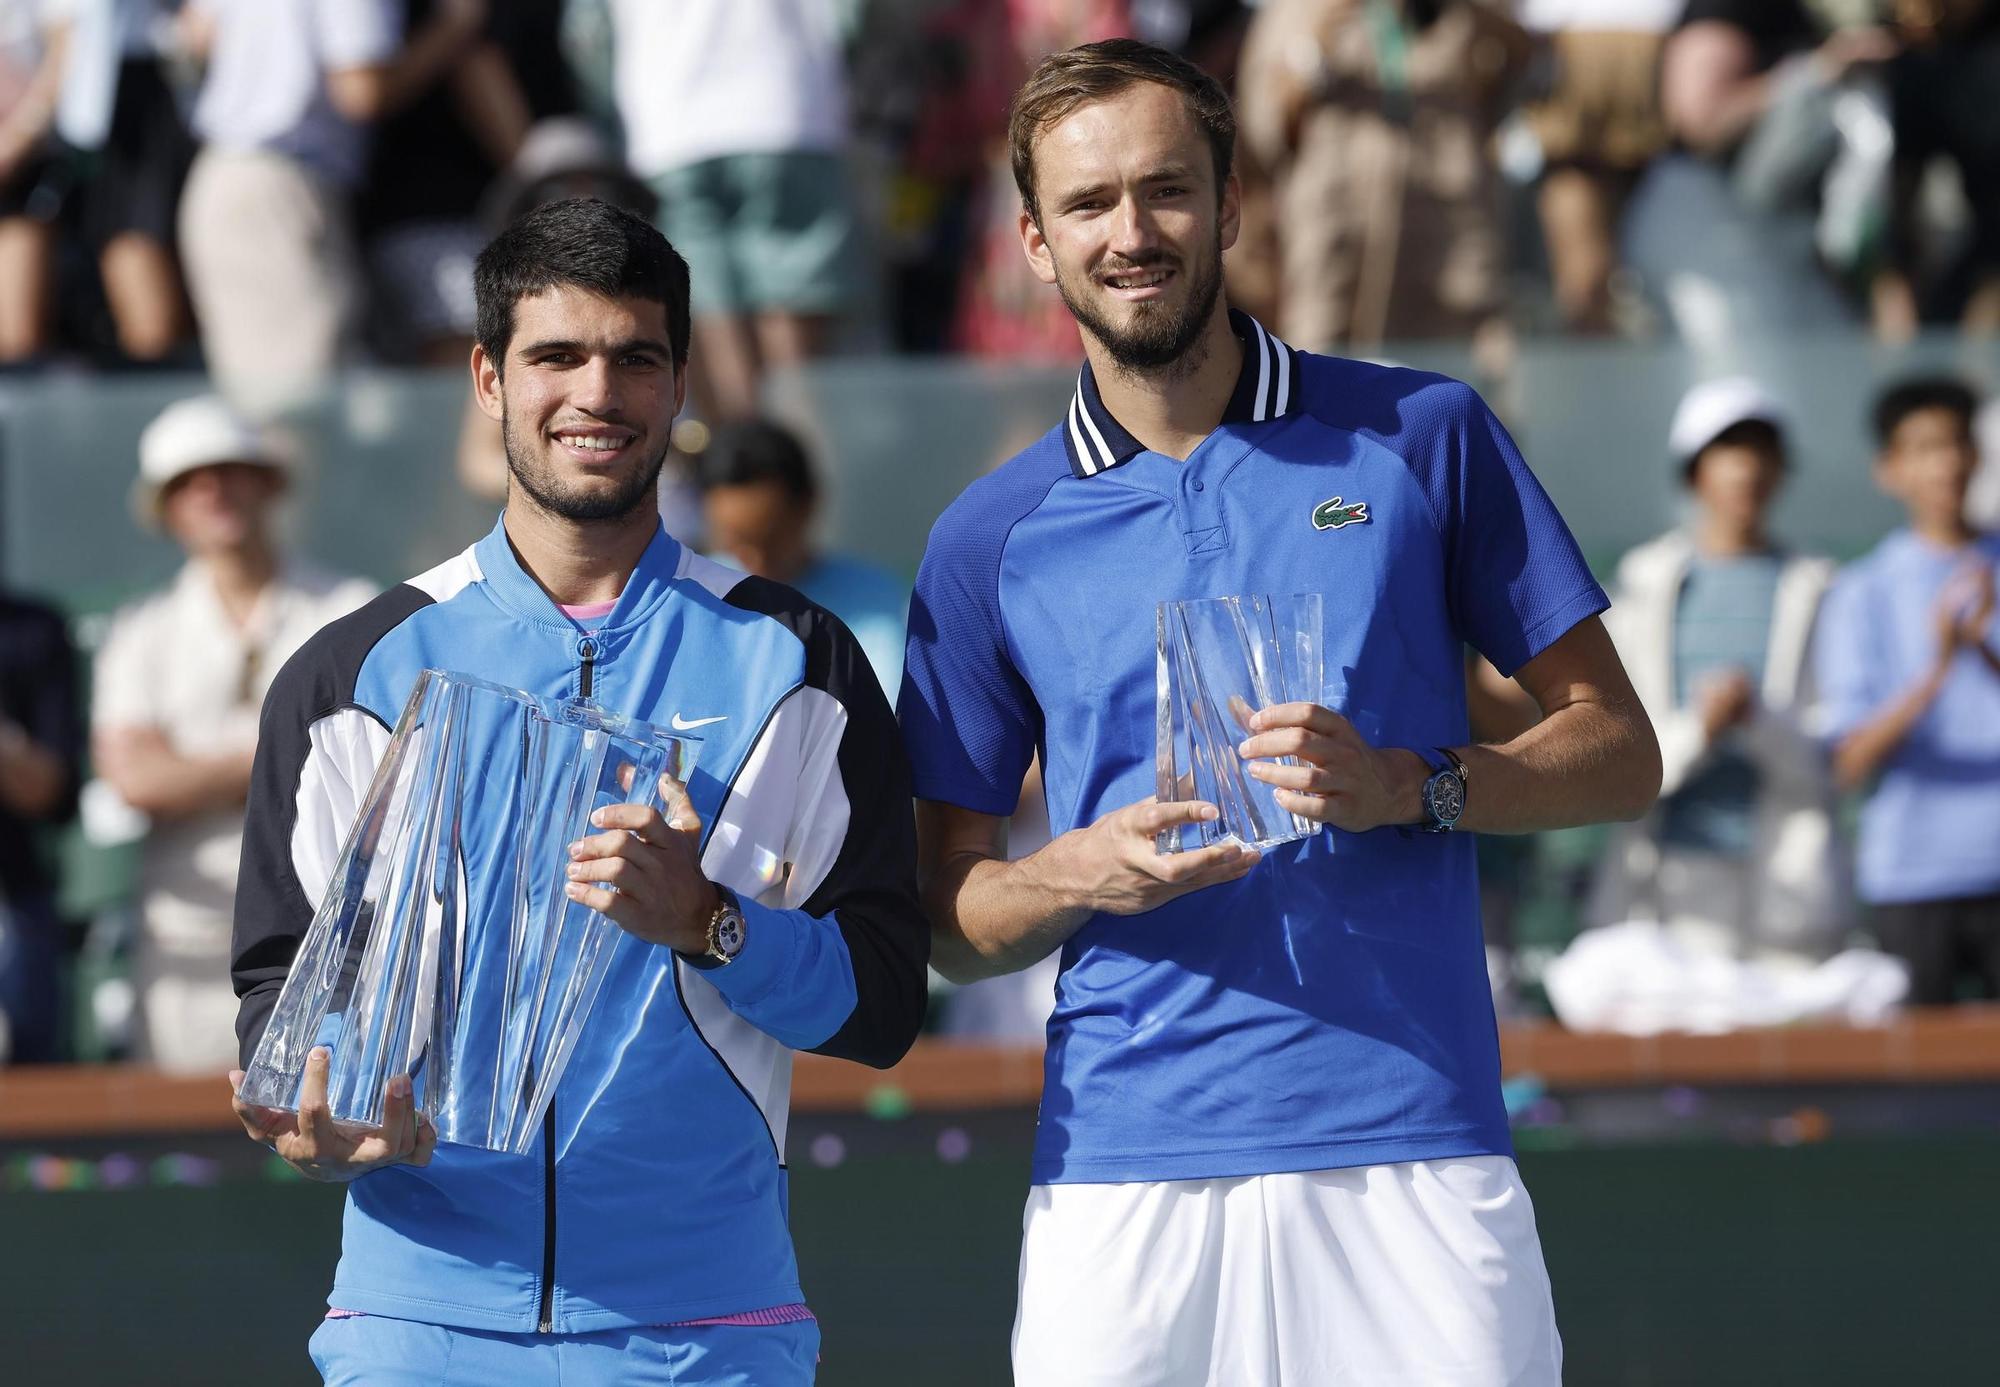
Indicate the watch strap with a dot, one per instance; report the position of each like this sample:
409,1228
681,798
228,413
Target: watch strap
1458,765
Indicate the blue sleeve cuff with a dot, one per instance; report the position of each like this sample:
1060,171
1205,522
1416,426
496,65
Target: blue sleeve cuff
980,799
1834,723
1582,605
771,940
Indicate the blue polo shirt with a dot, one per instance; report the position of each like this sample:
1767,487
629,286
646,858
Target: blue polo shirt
1930,829
1330,1009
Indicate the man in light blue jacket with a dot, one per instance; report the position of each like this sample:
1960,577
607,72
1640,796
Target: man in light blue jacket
646,1240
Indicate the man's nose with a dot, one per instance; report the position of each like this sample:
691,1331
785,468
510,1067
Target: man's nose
1132,231
594,385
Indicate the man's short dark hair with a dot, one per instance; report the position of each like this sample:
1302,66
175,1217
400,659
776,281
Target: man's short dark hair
1917,393
756,452
585,244
1065,81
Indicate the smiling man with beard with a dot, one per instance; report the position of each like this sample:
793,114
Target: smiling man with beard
774,911
1272,1148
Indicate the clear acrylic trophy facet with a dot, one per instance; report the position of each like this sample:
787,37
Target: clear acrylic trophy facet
445,947
1218,661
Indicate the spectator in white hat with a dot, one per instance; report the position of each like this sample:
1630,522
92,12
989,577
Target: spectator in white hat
1713,621
179,682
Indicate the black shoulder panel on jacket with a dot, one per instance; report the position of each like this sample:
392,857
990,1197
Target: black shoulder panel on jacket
871,890
272,909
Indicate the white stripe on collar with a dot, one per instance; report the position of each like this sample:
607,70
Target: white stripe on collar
1091,462
1090,426
1097,442
1283,405
1258,413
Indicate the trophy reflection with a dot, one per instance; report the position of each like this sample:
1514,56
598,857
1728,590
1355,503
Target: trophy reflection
445,947
1220,660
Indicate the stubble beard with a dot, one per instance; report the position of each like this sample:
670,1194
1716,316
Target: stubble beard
1158,339
540,484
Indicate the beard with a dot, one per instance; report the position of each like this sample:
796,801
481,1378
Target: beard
543,486
1157,334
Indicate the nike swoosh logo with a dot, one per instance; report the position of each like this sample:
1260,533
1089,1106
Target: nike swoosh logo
682,724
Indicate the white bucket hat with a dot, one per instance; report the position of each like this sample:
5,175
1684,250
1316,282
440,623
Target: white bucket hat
1713,408
198,432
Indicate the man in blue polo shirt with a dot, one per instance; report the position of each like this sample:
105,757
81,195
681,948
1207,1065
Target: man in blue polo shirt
1272,1147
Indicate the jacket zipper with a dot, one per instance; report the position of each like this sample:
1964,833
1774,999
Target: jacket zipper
545,1323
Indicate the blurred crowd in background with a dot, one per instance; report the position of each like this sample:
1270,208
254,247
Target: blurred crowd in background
269,191
275,186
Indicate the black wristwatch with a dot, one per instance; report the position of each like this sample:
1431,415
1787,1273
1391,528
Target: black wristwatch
725,932
1444,792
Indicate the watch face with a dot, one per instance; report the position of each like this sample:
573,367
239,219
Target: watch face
729,934
1445,794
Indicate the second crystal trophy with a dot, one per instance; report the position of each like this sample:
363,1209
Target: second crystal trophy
1220,660
445,947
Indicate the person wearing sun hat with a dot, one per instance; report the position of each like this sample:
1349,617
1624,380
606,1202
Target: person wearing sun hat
178,685
203,432
1714,620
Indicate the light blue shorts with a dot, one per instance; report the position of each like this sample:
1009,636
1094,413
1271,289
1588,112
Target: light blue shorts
376,1351
763,231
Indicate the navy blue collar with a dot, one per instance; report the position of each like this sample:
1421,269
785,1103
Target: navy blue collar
1266,388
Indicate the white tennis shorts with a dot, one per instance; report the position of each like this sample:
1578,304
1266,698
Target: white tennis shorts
1422,1274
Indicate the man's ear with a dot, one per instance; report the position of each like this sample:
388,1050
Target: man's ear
1229,219
486,383
1040,259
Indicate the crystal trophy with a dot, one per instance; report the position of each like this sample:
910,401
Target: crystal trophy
1220,660
445,947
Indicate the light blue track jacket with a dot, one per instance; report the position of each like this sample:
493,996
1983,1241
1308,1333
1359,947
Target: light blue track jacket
659,1192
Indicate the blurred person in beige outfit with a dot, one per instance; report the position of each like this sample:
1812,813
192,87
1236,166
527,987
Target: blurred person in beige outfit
179,683
289,91
1376,122
1742,855
1597,128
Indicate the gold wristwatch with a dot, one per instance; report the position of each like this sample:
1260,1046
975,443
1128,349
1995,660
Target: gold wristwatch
725,932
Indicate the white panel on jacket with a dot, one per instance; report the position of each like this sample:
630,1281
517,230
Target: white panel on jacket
777,837
347,745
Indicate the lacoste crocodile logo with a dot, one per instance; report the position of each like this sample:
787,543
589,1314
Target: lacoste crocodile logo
1331,515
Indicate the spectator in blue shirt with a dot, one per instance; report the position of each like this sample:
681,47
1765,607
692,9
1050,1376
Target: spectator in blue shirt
1911,678
759,500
